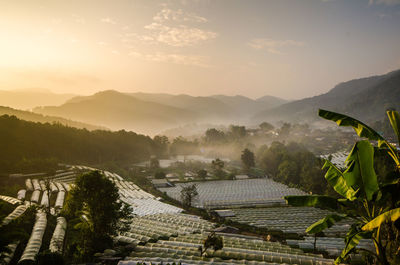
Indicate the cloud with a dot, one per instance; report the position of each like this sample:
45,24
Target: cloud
169,27
274,46
193,60
178,36
384,2
78,19
179,15
108,20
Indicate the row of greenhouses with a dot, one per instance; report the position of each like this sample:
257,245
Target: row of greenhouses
142,203
228,193
185,249
287,219
333,246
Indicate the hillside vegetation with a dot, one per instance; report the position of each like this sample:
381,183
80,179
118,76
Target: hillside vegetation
24,144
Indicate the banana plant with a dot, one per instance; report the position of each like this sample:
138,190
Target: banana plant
367,200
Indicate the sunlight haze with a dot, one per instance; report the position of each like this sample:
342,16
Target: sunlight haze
289,49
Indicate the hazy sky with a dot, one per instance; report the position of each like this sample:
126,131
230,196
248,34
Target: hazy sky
286,48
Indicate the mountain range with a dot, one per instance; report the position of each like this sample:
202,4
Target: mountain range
152,113
366,99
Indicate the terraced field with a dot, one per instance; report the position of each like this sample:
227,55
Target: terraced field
287,219
231,193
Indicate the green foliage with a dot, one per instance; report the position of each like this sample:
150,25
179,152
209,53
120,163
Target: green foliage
389,216
202,174
218,165
372,204
212,241
47,144
188,193
154,163
160,175
49,258
182,146
18,230
214,136
324,223
293,165
247,159
95,212
265,126
319,201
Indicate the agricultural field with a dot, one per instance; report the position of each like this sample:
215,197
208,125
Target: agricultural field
338,158
287,219
184,249
231,193
160,232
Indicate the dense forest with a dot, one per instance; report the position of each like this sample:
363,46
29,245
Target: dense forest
29,146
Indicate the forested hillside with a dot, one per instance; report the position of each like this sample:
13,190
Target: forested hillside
35,117
26,144
366,99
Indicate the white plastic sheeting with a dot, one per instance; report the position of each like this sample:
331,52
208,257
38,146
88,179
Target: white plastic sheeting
21,194
248,192
57,240
9,199
35,241
45,199
28,184
14,214
60,199
35,196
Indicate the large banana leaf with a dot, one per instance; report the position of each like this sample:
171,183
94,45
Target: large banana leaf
336,179
360,171
389,216
394,118
352,240
324,223
361,129
364,130
312,201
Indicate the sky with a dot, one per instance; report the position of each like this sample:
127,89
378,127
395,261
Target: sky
285,48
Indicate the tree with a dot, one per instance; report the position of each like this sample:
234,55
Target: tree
94,209
373,204
161,142
154,163
212,241
247,159
285,129
237,132
160,175
202,174
188,193
265,126
213,135
217,166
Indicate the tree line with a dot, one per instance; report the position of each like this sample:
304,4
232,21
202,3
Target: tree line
28,146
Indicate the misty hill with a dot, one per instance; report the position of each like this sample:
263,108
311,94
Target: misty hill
116,110
204,107
245,106
35,117
28,99
364,98
153,113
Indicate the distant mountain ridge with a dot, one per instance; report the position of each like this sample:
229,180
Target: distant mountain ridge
364,98
35,117
29,98
152,113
